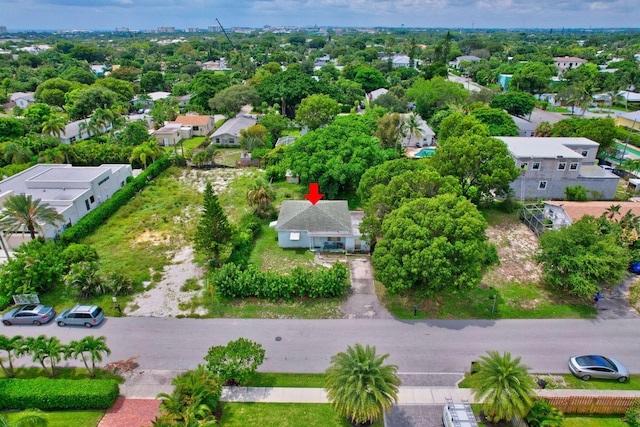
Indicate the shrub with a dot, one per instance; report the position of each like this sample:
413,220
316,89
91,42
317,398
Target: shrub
57,394
632,416
235,362
77,252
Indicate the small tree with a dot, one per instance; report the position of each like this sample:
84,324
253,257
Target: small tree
504,385
543,414
14,347
260,196
235,362
89,348
46,349
214,233
359,386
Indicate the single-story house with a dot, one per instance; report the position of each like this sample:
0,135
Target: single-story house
170,134
22,99
398,60
549,165
464,58
153,97
629,120
229,132
326,225
564,214
71,190
426,135
374,94
77,131
200,125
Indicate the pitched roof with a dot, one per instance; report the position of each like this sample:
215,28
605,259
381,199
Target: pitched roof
568,59
192,120
577,210
326,216
233,126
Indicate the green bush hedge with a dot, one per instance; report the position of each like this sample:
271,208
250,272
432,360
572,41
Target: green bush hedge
94,219
232,281
623,133
49,394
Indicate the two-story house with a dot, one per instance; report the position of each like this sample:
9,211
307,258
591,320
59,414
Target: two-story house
549,165
564,63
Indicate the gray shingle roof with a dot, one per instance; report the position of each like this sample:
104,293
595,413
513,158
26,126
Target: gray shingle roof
233,126
331,216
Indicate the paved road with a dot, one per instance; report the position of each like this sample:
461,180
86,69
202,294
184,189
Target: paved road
307,345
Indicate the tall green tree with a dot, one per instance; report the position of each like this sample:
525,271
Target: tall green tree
22,213
260,196
54,126
287,89
432,95
88,349
413,127
317,110
13,347
433,245
533,77
214,233
498,122
360,386
504,385
230,101
390,130
482,165
516,103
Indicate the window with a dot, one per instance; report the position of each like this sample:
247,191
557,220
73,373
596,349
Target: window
524,166
535,166
217,140
562,166
333,239
92,199
232,141
72,139
585,153
196,128
86,203
294,237
542,185
573,166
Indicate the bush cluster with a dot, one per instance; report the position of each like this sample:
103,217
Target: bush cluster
94,219
232,281
57,394
243,240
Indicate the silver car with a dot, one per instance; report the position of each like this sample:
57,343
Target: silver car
594,366
30,314
82,315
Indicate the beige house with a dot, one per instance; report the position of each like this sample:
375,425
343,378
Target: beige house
169,134
564,63
200,125
629,120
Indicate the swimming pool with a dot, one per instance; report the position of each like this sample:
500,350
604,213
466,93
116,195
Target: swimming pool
425,152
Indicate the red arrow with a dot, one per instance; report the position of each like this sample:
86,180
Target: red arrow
313,195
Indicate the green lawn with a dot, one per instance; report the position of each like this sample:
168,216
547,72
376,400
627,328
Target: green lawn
282,415
594,421
277,379
568,381
65,418
267,255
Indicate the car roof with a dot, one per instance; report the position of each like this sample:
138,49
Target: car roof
594,360
29,307
83,308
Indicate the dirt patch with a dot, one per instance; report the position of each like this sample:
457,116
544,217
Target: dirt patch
220,178
516,245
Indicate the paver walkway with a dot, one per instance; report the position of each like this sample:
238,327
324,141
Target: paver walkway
130,413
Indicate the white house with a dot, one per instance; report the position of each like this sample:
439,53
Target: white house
549,165
456,63
229,132
425,138
72,191
564,63
77,131
326,225
22,99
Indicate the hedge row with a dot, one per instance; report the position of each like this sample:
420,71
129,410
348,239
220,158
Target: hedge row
623,134
233,282
47,394
94,219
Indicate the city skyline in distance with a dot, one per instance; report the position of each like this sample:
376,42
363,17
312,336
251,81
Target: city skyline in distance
40,15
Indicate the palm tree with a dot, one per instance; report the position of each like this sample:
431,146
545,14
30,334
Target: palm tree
55,126
21,213
15,153
504,385
543,129
414,127
46,348
542,414
250,143
260,196
147,151
91,348
28,418
359,386
14,346
85,278
612,211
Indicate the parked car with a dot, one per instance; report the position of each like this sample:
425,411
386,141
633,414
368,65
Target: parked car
81,315
30,314
593,366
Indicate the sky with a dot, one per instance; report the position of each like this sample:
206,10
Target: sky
181,14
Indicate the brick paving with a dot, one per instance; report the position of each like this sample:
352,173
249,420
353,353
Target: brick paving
130,413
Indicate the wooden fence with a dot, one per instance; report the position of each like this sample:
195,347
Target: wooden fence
592,405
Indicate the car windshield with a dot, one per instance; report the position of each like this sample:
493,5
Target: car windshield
28,307
596,361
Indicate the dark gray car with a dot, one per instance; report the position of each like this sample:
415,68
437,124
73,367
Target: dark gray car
30,314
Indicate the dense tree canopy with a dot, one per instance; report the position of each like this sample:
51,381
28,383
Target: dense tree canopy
317,110
533,77
204,86
335,156
287,89
383,173
230,101
482,165
433,244
431,95
515,103
498,122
